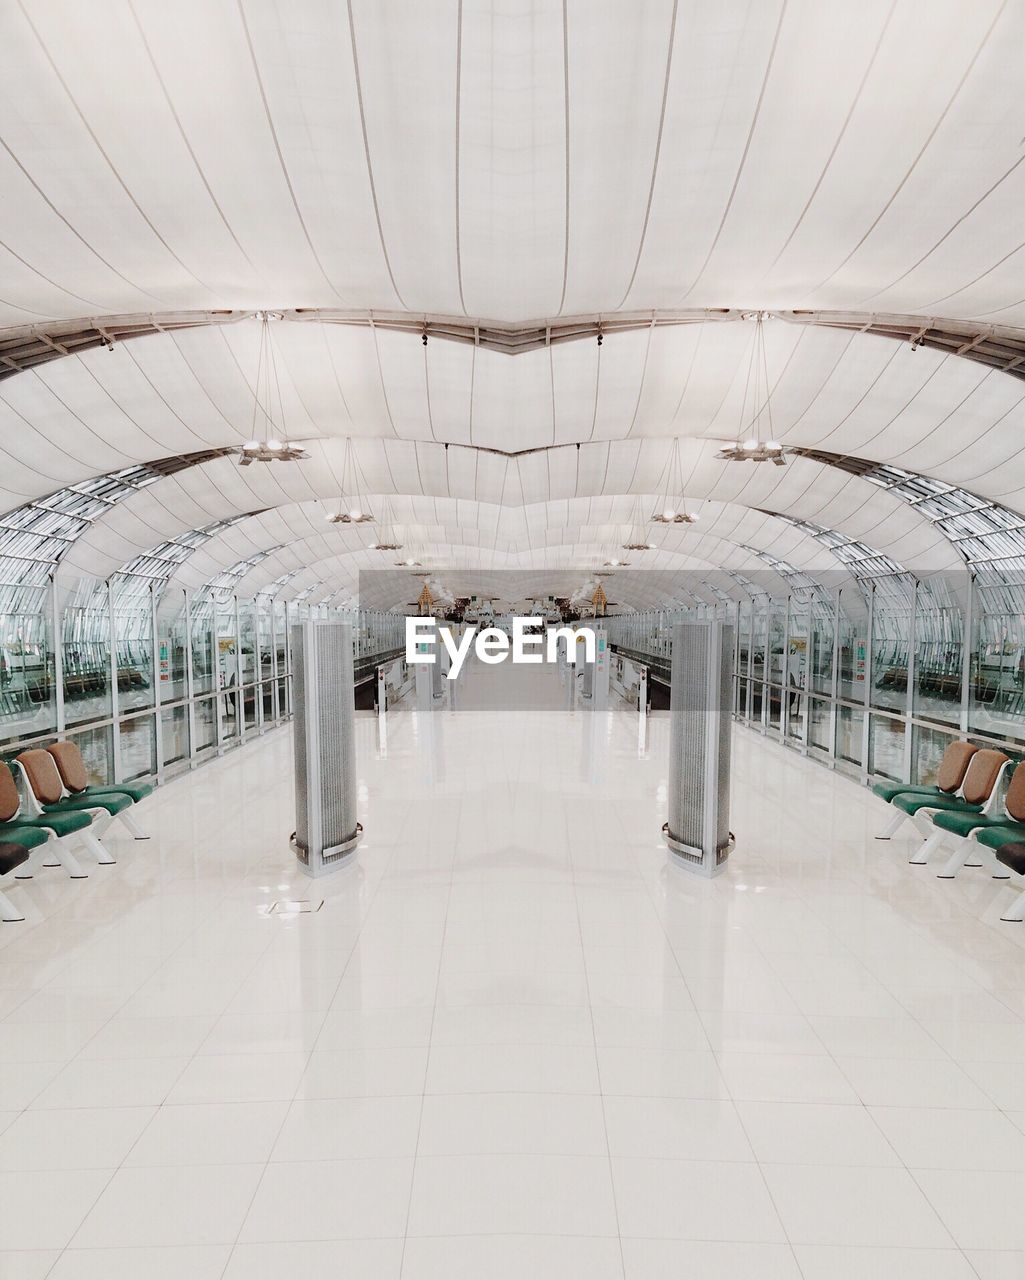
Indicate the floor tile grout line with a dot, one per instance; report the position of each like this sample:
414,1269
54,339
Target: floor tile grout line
427,1064
309,1054
601,1092
163,1101
733,1101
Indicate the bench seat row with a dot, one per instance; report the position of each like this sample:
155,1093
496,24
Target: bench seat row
975,810
48,807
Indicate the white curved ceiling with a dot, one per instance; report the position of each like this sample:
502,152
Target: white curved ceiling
511,162
539,159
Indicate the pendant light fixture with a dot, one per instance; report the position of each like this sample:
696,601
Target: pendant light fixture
637,538
672,508
269,442
755,441
353,505
388,541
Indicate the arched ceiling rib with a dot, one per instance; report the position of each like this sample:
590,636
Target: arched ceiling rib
985,534
998,346
36,537
221,490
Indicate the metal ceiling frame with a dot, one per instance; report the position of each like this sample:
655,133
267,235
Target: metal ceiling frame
999,347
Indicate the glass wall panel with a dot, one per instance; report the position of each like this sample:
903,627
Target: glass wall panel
174,733
774,657
232,700
797,667
886,747
133,627
204,646
206,723
822,638
281,636
251,694
997,686
759,630
97,748
744,657
774,710
939,636
891,638
118,675
86,654
231,704
28,693
138,747
849,726
755,698
818,731
852,645
248,649
171,658
927,748
264,642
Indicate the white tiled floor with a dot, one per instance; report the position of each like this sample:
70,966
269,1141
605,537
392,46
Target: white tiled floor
514,1042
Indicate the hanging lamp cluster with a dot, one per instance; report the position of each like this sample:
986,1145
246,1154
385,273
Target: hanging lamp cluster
269,442
353,503
755,442
388,540
673,506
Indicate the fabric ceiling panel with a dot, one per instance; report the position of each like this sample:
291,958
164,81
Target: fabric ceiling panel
719,59
300,527
408,74
617,61
450,375
512,160
804,488
207,155
176,393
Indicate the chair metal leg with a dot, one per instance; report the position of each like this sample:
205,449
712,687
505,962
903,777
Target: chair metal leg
957,860
69,862
1016,911
927,849
102,856
893,826
8,911
28,869
101,821
132,827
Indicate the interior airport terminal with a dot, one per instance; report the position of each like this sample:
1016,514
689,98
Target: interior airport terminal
512,640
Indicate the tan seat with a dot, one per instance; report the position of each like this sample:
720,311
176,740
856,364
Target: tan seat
953,767
968,810
75,776
65,816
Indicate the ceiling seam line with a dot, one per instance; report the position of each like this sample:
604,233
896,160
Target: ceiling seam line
658,150
366,152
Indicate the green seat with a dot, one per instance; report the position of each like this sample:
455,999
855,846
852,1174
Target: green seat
1001,833
964,823
61,823
114,802
910,803
888,790
21,832
136,791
